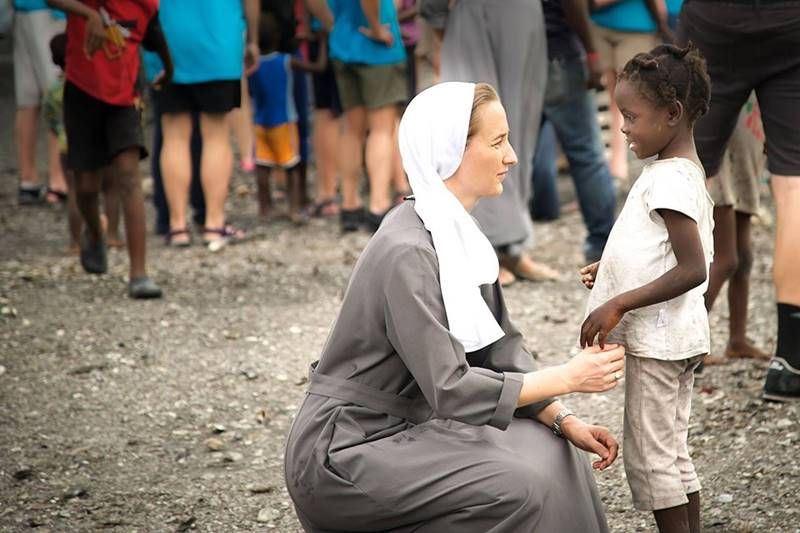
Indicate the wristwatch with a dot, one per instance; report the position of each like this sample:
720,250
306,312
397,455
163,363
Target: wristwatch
555,427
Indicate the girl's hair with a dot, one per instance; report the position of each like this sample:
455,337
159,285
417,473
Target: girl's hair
669,73
484,93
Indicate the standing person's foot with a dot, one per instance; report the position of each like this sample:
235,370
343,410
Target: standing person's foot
55,197
506,277
351,219
93,255
29,195
745,350
523,267
143,288
372,221
782,383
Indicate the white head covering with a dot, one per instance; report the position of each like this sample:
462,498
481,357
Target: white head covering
433,136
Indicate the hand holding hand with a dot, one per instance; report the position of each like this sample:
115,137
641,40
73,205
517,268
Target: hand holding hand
251,53
600,322
593,439
382,34
596,370
589,274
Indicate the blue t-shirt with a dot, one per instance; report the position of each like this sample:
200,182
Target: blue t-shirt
674,6
272,91
205,38
349,45
626,15
37,5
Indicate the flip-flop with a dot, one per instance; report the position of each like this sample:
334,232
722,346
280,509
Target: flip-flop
228,234
171,234
60,196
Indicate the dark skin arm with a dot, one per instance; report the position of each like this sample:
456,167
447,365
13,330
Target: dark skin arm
576,13
154,40
252,11
320,64
95,29
686,275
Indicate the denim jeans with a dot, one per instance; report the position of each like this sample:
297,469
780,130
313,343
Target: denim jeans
196,197
572,110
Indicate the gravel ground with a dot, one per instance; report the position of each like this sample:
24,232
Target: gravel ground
171,415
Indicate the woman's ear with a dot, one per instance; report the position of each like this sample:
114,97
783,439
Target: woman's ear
676,112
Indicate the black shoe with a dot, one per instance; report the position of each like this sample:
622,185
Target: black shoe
143,288
373,221
782,383
351,219
93,255
29,196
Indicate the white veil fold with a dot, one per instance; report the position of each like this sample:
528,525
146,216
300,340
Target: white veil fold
433,136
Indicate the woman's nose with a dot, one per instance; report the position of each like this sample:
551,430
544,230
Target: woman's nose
510,158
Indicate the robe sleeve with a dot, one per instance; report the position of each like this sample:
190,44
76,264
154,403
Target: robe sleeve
509,353
416,325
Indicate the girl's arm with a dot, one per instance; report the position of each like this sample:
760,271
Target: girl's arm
320,64
686,275
95,29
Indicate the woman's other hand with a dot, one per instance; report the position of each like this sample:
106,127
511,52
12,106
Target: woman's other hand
589,274
596,370
593,439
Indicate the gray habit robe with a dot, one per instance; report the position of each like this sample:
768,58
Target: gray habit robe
454,454
503,42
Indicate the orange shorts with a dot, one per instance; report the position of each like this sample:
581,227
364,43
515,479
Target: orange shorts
278,146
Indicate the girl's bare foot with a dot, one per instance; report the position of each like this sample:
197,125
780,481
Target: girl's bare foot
744,349
505,277
524,267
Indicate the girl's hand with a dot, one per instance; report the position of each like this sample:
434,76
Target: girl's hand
589,274
593,439
596,370
600,322
95,34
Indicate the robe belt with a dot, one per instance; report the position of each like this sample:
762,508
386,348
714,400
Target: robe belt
415,411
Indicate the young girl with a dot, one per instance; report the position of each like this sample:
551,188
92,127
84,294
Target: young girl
647,289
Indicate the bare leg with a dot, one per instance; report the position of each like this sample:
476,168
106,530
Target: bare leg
25,123
725,257
693,510
176,167
126,171
380,156
352,151
326,147
87,191
786,190
618,162
242,124
112,202
215,166
74,220
264,191
738,295
56,179
399,180
673,520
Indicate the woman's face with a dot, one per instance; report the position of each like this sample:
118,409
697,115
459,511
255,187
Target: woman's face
488,155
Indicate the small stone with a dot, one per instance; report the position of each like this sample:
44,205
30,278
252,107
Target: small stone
256,488
784,423
76,492
266,515
2,370
218,428
725,498
214,444
232,457
23,472
295,330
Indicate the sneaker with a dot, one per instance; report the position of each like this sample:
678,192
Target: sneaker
29,195
782,383
93,256
351,219
143,288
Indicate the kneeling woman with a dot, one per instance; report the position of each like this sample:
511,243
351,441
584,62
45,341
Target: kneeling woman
424,412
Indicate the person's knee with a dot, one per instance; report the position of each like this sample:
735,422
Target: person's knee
726,264
87,183
744,263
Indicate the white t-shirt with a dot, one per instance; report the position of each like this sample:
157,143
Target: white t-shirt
639,251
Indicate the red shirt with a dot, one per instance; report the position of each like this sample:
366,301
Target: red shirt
111,73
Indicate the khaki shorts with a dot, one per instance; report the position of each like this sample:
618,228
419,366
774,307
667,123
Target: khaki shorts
618,47
658,399
34,71
372,86
743,165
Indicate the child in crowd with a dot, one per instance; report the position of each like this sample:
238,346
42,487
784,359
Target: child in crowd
102,122
736,199
647,289
275,116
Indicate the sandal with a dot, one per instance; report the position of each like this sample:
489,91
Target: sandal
323,208
227,234
169,238
54,197
29,195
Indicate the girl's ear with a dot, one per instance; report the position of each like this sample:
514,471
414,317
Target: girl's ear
676,112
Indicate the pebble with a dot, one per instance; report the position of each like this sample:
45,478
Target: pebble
23,472
725,498
258,488
784,423
233,457
214,444
266,515
2,370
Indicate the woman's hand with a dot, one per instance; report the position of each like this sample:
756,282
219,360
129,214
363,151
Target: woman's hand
589,274
593,439
600,322
596,370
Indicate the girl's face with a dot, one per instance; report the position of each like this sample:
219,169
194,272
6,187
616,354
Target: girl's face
648,128
488,155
